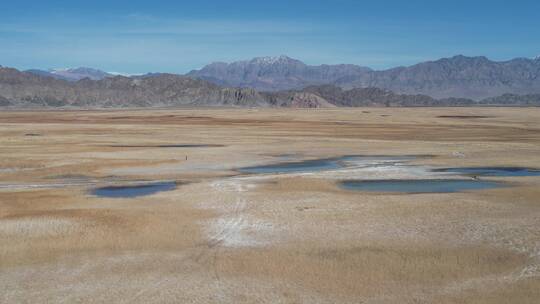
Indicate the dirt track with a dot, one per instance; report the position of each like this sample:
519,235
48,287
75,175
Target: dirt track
226,237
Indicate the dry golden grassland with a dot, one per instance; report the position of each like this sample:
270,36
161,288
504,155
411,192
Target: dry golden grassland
226,237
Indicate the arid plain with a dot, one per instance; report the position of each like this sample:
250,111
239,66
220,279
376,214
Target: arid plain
227,236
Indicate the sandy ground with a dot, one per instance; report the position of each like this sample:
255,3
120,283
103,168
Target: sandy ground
227,237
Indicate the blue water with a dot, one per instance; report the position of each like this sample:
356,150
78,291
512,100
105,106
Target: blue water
419,186
303,166
317,164
169,146
133,191
492,171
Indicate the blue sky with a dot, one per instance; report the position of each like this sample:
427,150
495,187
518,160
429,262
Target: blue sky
177,36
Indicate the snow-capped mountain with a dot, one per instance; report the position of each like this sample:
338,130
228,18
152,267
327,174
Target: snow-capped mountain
73,74
274,73
270,60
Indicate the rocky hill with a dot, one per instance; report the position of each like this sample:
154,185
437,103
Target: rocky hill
4,102
380,97
30,90
513,99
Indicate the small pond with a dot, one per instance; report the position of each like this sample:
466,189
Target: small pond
322,164
169,146
492,171
419,186
133,190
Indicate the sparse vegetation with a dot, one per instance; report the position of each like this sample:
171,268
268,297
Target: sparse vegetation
219,237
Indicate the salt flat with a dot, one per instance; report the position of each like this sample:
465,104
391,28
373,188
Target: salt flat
227,236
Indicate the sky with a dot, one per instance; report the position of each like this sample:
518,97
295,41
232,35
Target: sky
133,37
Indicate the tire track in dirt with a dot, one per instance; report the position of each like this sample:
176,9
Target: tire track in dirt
230,223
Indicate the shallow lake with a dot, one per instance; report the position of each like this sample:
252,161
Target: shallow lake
419,186
134,191
169,146
492,171
321,164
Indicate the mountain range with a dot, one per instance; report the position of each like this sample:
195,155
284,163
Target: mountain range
27,90
23,89
283,82
459,76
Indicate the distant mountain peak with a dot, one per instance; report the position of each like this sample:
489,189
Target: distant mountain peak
73,74
82,70
274,73
464,58
269,60
537,57
53,70
80,73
